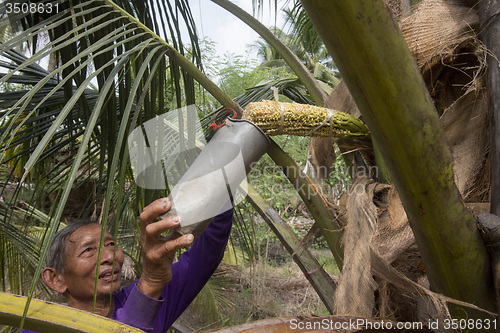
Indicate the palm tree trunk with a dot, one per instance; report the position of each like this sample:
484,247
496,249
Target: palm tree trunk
490,32
372,56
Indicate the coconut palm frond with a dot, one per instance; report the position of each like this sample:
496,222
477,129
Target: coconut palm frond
212,299
289,87
67,125
19,246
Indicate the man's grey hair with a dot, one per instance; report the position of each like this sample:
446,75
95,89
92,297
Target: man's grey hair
57,251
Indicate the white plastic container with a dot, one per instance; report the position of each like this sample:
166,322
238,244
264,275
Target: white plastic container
210,183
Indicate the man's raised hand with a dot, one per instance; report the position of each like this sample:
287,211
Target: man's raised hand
158,251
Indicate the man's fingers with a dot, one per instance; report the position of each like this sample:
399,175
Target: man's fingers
157,228
153,210
178,243
168,248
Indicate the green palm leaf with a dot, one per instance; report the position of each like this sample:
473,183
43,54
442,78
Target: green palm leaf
94,44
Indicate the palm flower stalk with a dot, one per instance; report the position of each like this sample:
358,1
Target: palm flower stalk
276,118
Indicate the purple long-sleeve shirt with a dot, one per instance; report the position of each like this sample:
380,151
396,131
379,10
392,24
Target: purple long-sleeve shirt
189,275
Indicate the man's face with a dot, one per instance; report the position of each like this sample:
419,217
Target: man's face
82,248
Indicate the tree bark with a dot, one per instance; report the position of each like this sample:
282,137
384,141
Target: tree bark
490,34
374,60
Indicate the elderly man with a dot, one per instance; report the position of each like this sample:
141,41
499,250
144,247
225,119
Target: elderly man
164,290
